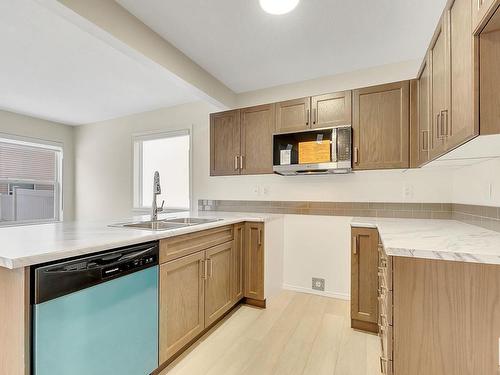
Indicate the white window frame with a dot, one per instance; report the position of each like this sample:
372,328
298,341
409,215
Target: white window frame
58,187
137,143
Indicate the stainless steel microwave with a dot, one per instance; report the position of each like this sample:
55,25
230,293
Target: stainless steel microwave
313,151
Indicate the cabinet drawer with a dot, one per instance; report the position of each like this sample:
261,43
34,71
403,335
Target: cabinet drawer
385,333
385,366
384,269
385,308
179,246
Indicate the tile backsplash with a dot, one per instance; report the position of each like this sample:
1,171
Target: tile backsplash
484,216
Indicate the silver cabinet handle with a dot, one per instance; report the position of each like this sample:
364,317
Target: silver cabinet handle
438,127
441,124
211,273
446,123
355,245
425,140
241,162
356,155
236,162
204,269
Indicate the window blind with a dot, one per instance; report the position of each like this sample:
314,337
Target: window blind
27,162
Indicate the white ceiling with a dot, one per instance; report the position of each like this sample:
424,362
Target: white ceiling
248,49
50,68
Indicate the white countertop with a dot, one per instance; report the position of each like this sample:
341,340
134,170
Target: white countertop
435,239
23,246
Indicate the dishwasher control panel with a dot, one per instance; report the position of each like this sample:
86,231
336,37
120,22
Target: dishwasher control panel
130,265
56,279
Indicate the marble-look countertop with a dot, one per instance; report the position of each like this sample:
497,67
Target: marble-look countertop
435,239
22,246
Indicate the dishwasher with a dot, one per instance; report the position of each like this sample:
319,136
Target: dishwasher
97,315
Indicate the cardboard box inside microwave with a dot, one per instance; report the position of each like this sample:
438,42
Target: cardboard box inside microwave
312,152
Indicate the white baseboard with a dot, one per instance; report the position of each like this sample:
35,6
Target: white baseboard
301,289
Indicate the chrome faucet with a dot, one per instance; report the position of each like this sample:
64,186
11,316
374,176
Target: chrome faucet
156,191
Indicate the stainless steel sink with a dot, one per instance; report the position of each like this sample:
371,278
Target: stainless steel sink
166,224
191,220
153,225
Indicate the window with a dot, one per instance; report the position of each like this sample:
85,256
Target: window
30,181
170,155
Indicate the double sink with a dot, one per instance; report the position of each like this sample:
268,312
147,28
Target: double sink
166,224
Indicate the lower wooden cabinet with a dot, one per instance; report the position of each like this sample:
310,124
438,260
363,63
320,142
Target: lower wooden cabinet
218,298
438,317
238,284
197,289
182,303
364,279
254,261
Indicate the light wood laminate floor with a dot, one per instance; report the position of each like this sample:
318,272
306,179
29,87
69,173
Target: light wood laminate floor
297,334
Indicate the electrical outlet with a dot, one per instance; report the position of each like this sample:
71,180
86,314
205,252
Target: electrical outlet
408,191
318,284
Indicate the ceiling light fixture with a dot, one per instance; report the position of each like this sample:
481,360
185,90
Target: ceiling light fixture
278,7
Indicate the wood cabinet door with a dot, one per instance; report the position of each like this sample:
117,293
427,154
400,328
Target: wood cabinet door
254,260
446,317
489,76
218,288
182,301
381,126
420,118
364,276
293,115
257,128
331,109
440,87
225,143
238,257
480,9
462,125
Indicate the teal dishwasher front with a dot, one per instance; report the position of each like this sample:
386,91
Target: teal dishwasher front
109,327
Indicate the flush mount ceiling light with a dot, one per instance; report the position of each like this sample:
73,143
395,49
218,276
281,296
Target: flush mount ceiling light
278,6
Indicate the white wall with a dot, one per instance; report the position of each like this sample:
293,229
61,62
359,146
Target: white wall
318,246
25,126
477,184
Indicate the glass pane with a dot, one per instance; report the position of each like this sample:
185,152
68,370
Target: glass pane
170,157
26,202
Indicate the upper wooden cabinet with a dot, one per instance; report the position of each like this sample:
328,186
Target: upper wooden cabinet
381,126
440,78
241,141
315,112
331,109
462,124
420,117
452,59
293,115
489,76
480,9
364,279
257,127
225,143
